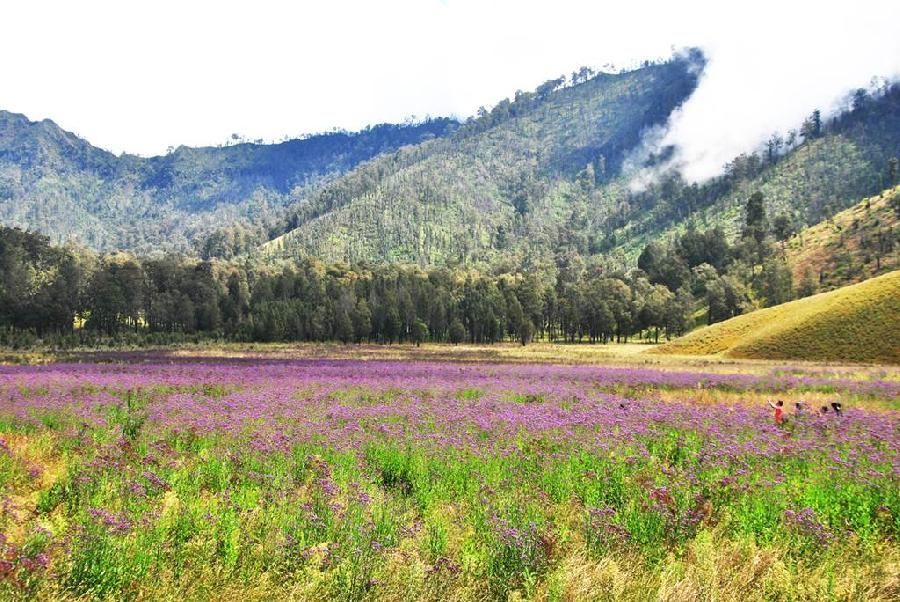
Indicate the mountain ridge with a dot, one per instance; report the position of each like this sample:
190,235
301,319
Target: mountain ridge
60,184
497,176
535,181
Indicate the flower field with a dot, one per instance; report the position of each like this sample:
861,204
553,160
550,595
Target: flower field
247,478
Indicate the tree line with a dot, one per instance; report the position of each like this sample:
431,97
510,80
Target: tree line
63,292
71,294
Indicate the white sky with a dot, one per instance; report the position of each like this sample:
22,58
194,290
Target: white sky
138,76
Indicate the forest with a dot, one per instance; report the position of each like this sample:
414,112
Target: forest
522,222
72,296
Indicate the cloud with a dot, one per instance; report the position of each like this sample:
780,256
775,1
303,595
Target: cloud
763,78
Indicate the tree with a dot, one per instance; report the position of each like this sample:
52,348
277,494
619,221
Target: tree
756,228
457,332
362,320
807,284
755,223
656,304
773,148
185,314
343,325
783,227
696,248
662,266
812,126
775,282
679,313
526,332
419,332
726,298
860,96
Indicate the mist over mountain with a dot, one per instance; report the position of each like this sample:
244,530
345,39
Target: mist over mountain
552,174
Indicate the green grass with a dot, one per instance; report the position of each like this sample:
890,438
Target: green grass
126,508
858,323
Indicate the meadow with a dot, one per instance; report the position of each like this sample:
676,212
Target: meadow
260,476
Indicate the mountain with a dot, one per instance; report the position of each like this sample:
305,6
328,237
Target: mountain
57,183
539,182
854,323
544,177
511,182
853,245
821,173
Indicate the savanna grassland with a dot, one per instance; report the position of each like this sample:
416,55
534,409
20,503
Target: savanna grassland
856,323
255,474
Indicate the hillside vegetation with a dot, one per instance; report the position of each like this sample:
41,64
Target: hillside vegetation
56,183
805,176
533,183
853,245
859,323
544,176
510,183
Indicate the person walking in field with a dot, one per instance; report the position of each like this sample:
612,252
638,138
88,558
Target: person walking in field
778,406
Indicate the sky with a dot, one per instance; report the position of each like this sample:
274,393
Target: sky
141,76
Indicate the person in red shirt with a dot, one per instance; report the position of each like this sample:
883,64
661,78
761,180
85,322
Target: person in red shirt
778,406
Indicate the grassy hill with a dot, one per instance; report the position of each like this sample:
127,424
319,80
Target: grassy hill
859,323
853,245
59,184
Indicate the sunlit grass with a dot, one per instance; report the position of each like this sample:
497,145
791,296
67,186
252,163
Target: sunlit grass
854,323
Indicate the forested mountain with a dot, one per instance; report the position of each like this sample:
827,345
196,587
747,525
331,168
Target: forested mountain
540,180
57,183
804,177
511,182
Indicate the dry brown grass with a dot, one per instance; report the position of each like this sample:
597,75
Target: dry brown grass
858,323
842,250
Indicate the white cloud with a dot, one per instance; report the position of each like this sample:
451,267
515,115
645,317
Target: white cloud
766,76
140,76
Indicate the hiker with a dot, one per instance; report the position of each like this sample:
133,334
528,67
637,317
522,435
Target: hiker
824,410
836,406
778,406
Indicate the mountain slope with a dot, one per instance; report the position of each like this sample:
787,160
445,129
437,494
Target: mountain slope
813,180
504,183
858,323
533,183
541,178
853,245
57,183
